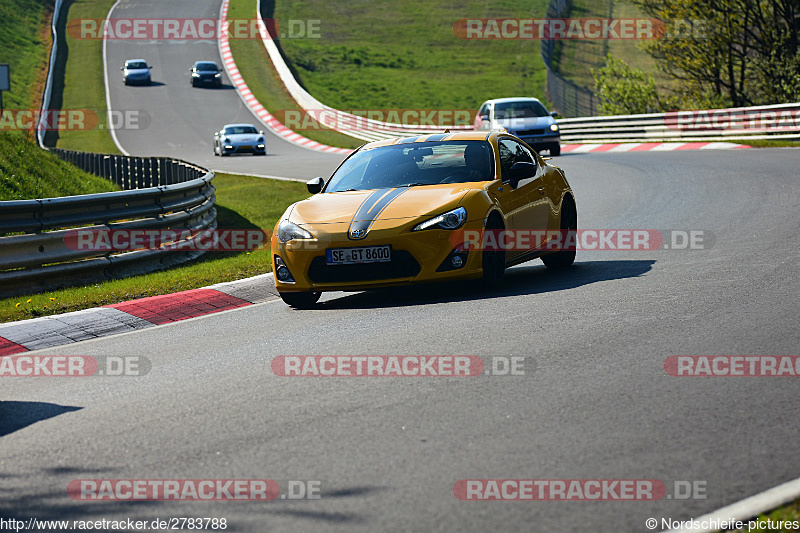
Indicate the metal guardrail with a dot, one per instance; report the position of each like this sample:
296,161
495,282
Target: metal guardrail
781,121
569,99
163,194
129,172
48,87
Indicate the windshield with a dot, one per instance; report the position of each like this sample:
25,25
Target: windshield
412,164
206,66
135,64
240,130
519,109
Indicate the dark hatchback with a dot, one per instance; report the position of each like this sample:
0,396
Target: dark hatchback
206,73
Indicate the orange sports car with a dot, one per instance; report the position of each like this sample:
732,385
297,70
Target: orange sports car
395,212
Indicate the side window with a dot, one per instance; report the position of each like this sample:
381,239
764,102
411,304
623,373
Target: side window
484,110
511,152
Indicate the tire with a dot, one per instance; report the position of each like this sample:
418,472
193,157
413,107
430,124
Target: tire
569,221
300,300
555,150
493,261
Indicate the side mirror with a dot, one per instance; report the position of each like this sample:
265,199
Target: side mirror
151,66
122,68
261,132
554,114
315,185
519,171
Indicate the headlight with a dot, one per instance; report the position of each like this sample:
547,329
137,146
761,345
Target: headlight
195,75
451,220
218,75
554,127
226,139
260,139
288,231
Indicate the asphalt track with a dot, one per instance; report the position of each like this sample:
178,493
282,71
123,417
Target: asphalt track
596,402
178,120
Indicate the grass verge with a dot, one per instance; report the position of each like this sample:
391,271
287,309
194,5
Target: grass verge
398,56
26,171
262,79
766,143
79,82
390,57
24,46
788,513
243,202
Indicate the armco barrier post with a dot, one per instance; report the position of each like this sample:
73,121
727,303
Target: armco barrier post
162,172
107,167
155,179
139,183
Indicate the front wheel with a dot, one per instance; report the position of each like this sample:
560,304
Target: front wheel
569,224
493,261
300,300
555,150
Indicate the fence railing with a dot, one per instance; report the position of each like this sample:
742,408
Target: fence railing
781,121
569,99
130,172
37,237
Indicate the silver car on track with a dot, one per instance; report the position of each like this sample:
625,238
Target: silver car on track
239,139
527,118
136,71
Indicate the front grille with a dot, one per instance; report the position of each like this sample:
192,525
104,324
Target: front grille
529,132
402,265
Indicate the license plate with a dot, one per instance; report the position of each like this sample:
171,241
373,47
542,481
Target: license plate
366,254
247,147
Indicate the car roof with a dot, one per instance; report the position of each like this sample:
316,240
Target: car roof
235,125
512,99
132,60
205,61
457,136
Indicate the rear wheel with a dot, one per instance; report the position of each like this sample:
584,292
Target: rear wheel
494,261
300,300
569,224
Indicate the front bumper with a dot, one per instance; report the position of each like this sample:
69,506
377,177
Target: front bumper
208,80
417,257
137,81
542,141
244,148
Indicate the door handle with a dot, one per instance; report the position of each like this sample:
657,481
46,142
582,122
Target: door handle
541,191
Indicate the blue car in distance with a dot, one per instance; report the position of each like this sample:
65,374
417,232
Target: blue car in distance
526,118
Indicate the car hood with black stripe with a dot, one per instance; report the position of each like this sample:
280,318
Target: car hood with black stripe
380,204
